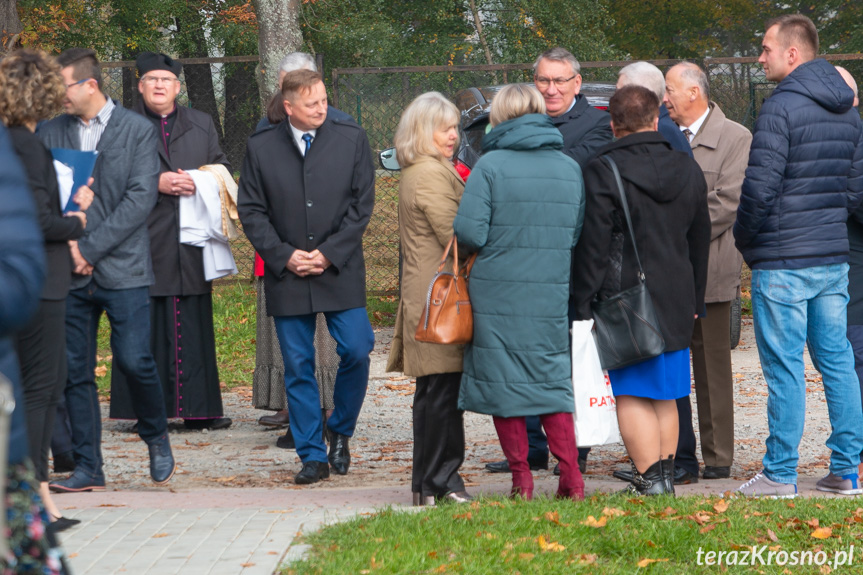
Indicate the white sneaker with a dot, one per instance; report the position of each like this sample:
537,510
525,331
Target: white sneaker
846,485
761,486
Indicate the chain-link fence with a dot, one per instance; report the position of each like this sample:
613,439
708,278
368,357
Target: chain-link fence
226,88
377,96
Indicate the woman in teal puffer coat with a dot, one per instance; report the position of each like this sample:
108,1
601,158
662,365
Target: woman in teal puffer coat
522,211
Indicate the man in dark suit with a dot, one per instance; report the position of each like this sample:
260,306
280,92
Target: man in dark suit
306,195
181,306
585,129
111,267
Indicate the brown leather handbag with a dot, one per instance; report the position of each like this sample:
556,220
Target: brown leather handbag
447,316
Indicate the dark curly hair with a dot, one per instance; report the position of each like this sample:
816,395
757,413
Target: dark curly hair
31,88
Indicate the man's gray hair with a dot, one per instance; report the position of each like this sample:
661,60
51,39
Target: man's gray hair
645,75
559,55
693,75
298,61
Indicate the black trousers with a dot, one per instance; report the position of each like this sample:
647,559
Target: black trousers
42,353
438,435
685,457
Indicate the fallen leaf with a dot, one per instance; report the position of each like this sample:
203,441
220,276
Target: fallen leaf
813,523
247,564
645,562
650,543
467,516
721,506
526,556
772,535
160,535
591,521
822,533
432,554
613,512
260,447
587,559
707,528
825,569
101,371
546,545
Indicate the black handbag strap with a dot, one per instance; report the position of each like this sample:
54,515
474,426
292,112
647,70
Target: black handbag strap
625,212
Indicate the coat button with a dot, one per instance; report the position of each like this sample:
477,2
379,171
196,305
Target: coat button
309,203
311,237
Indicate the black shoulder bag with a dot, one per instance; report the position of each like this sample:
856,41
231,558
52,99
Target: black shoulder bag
627,329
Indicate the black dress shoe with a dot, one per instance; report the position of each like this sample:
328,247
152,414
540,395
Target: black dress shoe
582,466
62,523
162,464
278,419
312,472
76,483
683,477
711,472
64,462
340,454
286,441
503,465
214,423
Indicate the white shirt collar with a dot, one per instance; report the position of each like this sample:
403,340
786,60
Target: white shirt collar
696,125
298,137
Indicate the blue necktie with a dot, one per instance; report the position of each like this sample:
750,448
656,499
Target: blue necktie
307,138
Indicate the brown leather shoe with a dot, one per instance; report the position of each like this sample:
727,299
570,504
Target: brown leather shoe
278,419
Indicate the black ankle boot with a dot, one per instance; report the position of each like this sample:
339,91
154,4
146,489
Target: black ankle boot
668,474
651,481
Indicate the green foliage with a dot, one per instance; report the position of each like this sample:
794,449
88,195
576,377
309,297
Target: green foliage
699,28
377,33
608,534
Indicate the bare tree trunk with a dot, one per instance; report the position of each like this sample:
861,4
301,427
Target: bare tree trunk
10,25
199,77
278,33
477,22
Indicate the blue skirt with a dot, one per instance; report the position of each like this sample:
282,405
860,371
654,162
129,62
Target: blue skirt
663,377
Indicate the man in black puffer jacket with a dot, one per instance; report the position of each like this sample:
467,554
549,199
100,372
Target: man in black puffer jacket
805,176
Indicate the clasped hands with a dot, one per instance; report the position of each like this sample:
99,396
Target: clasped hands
79,265
177,183
308,263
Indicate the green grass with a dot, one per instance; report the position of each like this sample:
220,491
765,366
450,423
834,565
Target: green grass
495,536
234,321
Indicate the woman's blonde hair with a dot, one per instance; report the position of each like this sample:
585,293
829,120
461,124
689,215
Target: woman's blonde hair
415,134
31,88
515,100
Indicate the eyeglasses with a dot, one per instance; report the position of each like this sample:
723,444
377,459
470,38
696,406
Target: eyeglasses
158,80
78,82
542,82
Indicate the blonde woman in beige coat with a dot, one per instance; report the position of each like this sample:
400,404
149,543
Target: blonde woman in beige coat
429,194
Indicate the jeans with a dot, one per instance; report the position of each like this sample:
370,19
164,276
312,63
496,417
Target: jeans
789,306
129,314
355,341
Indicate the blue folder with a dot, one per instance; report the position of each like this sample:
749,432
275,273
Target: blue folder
82,164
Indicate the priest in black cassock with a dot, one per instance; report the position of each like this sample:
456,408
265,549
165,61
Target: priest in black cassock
181,303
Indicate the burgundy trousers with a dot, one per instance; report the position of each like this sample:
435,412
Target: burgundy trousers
559,427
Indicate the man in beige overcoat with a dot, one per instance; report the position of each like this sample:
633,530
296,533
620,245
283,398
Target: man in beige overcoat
721,148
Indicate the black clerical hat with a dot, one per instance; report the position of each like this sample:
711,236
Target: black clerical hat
149,61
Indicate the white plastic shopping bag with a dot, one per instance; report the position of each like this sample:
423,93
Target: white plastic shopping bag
595,411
